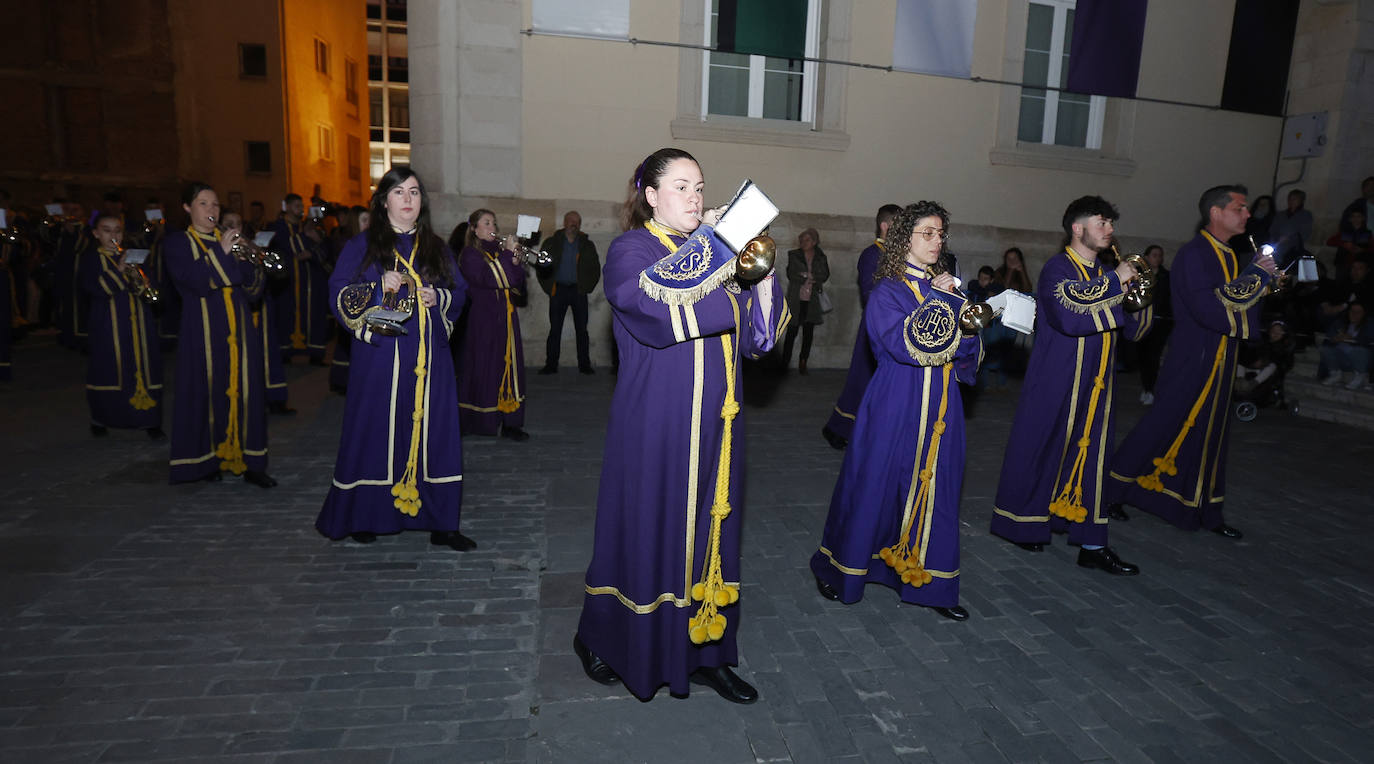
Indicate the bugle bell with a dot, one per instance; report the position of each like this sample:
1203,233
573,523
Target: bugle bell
756,259
395,310
248,250
1282,281
135,280
1141,293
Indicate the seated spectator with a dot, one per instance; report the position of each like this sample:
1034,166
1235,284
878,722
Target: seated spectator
1347,348
1261,216
1351,242
1262,365
1343,292
997,339
985,287
1364,204
1291,229
1013,273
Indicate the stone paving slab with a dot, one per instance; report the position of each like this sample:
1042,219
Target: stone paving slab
147,622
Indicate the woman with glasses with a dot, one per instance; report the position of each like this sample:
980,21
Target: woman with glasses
400,463
894,515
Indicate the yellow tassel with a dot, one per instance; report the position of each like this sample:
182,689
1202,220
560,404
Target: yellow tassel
904,557
1166,464
708,625
406,491
506,401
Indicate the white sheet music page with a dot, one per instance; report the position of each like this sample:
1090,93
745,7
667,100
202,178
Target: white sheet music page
748,214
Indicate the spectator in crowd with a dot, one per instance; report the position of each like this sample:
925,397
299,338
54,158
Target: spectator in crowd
1347,349
1290,230
1012,274
1150,348
1352,241
1365,204
1263,365
1343,292
1261,217
807,272
568,279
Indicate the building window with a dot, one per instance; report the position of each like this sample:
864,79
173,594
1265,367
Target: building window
355,158
326,138
321,56
351,84
737,84
1051,116
258,157
252,60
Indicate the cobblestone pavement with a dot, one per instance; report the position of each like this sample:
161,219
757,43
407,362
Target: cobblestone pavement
147,622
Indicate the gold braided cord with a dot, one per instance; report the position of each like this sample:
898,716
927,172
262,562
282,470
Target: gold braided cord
905,555
230,450
1165,464
708,624
406,493
1069,503
141,400
506,400
297,244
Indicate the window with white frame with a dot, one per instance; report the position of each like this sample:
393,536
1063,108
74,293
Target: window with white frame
760,87
1052,116
326,136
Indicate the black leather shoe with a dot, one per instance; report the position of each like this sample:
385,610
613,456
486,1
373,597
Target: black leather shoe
260,479
586,370
1115,512
453,540
515,433
827,591
833,438
1030,546
1106,559
155,433
549,370
595,668
280,409
99,430
726,683
1228,531
956,613
363,537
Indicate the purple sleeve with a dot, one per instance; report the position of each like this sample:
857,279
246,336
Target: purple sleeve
868,268
1199,287
199,276
1078,317
764,329
968,357
453,298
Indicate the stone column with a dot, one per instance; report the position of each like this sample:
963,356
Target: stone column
465,102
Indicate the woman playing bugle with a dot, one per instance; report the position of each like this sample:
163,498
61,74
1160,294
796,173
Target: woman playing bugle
400,464
219,420
894,516
664,577
124,376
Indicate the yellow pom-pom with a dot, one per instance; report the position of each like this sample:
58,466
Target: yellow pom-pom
722,598
716,630
734,594
886,554
396,489
399,504
698,634
698,591
413,492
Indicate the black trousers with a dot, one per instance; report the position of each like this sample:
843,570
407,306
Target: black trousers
808,332
568,296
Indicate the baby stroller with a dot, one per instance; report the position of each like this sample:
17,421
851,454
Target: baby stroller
1260,372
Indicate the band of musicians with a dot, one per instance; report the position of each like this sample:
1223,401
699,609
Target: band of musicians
427,350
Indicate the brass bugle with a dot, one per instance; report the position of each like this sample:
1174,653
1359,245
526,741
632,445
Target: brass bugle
395,310
1281,280
1141,293
756,259
975,316
135,280
245,248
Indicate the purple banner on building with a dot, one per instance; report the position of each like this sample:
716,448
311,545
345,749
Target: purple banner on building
1104,58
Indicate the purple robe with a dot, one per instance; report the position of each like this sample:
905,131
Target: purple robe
1058,453
267,316
343,351
863,362
894,433
378,424
7,301
169,307
216,336
124,375
303,306
491,368
659,474
1216,304
73,249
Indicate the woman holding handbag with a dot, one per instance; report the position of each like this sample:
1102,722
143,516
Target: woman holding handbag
807,272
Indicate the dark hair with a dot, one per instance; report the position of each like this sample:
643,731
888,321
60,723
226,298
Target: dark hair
470,234
988,270
1216,196
1301,194
192,190
1019,255
457,239
1147,249
293,197
1085,207
647,175
885,215
892,264
428,257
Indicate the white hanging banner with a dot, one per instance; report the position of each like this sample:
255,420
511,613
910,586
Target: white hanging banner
934,36
584,18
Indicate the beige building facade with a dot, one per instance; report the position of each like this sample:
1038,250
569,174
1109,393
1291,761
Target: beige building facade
540,124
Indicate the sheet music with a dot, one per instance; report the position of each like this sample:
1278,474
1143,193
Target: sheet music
746,216
135,256
526,226
263,238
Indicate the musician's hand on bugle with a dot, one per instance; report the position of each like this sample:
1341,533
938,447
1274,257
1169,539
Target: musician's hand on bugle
228,238
712,216
1127,273
391,281
1267,263
428,297
945,282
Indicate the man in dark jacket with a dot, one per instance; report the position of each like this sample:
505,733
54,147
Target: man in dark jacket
567,281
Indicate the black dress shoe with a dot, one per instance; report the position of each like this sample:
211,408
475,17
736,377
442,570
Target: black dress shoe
726,683
1115,512
595,668
586,370
1228,531
363,537
259,479
515,433
453,540
549,370
99,430
1030,546
155,433
956,613
834,439
213,477
1106,559
280,409
827,591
